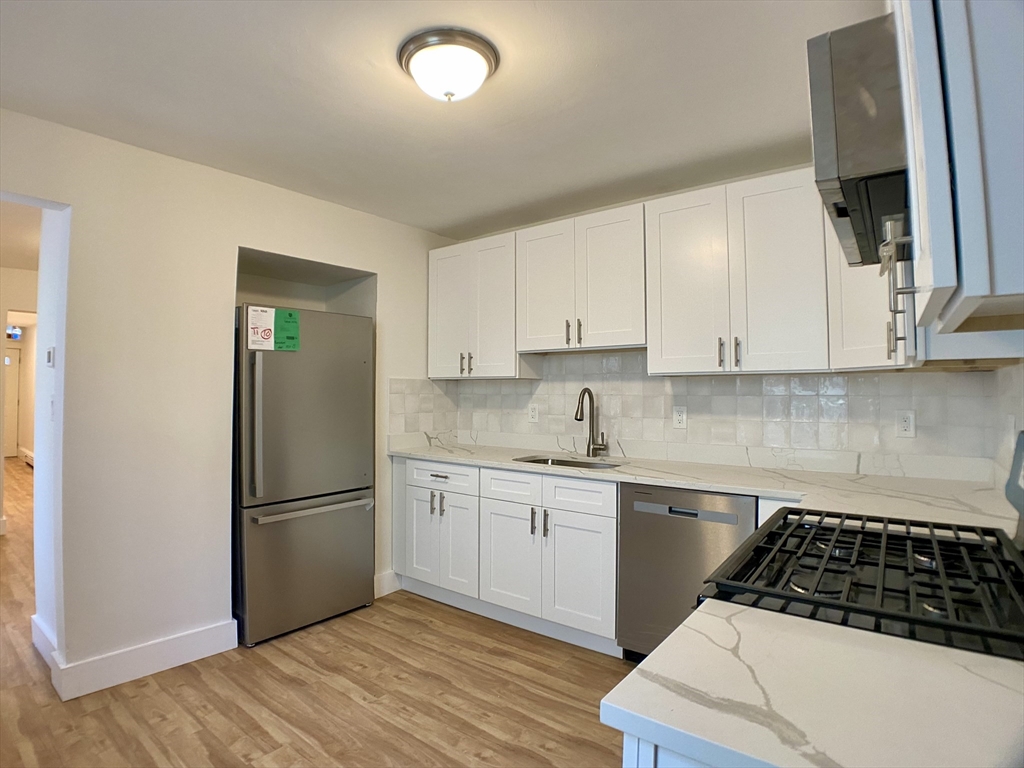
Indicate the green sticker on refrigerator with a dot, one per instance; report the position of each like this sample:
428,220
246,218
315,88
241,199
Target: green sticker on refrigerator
286,329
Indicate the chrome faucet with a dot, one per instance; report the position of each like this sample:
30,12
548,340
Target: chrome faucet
592,445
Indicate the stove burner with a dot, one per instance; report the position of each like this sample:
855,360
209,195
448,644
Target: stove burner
831,584
956,585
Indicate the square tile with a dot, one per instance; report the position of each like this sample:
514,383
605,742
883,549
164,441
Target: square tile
749,432
750,407
804,435
776,408
775,385
833,408
776,434
832,385
654,406
803,408
803,385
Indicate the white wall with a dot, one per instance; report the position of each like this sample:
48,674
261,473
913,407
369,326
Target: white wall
147,402
18,289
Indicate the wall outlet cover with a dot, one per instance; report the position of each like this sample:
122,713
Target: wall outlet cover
534,416
906,423
679,417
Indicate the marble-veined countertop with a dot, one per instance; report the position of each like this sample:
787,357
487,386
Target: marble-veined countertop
735,685
947,501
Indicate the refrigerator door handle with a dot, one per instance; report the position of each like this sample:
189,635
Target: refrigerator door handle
279,517
257,428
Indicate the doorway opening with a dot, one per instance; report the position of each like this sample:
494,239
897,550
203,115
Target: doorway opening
34,245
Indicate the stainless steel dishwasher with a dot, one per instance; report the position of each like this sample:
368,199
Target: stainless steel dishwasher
670,540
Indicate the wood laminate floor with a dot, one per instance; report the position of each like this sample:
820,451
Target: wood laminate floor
405,682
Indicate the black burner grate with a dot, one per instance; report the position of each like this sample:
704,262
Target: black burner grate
960,586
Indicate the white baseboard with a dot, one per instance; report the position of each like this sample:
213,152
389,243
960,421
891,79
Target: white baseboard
386,583
29,457
515,618
81,677
43,640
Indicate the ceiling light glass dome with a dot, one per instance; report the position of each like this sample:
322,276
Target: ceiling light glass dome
448,64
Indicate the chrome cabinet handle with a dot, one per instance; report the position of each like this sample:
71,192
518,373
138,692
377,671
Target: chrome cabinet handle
280,517
721,352
257,429
439,477
579,332
432,495
533,520
568,332
462,363
470,370
440,507
736,342
545,534
890,345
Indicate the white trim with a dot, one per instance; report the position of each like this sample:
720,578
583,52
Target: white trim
385,583
27,456
42,639
515,618
81,677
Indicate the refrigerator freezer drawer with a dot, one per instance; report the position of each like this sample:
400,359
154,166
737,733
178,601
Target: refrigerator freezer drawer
302,564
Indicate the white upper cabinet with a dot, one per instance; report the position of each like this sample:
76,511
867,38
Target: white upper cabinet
688,283
451,300
928,178
580,282
777,274
472,310
545,287
610,304
860,334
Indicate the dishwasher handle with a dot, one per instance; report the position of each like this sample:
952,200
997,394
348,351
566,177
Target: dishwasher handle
702,515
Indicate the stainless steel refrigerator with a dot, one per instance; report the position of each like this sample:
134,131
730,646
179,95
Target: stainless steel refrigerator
303,467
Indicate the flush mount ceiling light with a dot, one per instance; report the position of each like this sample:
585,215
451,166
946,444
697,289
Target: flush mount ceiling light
448,64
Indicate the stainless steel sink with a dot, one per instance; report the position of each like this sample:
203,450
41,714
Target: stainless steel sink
557,461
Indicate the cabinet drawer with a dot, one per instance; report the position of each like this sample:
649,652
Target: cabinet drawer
520,487
580,495
443,477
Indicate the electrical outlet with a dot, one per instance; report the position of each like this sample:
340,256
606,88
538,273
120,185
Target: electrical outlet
534,413
679,417
906,423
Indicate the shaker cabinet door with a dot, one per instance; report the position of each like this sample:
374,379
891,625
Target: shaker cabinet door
777,274
452,311
545,287
459,524
610,300
688,283
494,350
421,535
579,570
510,555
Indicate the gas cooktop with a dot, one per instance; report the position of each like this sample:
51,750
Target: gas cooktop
960,586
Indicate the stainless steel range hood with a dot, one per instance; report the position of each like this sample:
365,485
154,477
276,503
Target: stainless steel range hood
860,157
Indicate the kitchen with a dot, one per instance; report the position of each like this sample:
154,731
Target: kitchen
776,375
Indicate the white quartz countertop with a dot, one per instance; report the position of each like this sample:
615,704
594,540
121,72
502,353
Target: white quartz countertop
950,501
735,685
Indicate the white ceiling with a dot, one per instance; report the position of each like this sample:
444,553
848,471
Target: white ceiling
19,235
593,102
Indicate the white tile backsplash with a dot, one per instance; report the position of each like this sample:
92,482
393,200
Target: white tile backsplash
849,415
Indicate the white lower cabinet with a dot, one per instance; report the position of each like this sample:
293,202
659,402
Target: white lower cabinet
578,570
422,539
442,539
510,555
458,517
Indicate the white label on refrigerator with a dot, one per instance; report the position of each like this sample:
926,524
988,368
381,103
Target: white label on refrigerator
261,328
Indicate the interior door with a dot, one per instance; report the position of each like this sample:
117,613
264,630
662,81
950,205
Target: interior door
452,308
494,347
545,287
422,538
459,554
510,555
316,406
688,283
12,377
777,280
610,296
579,571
